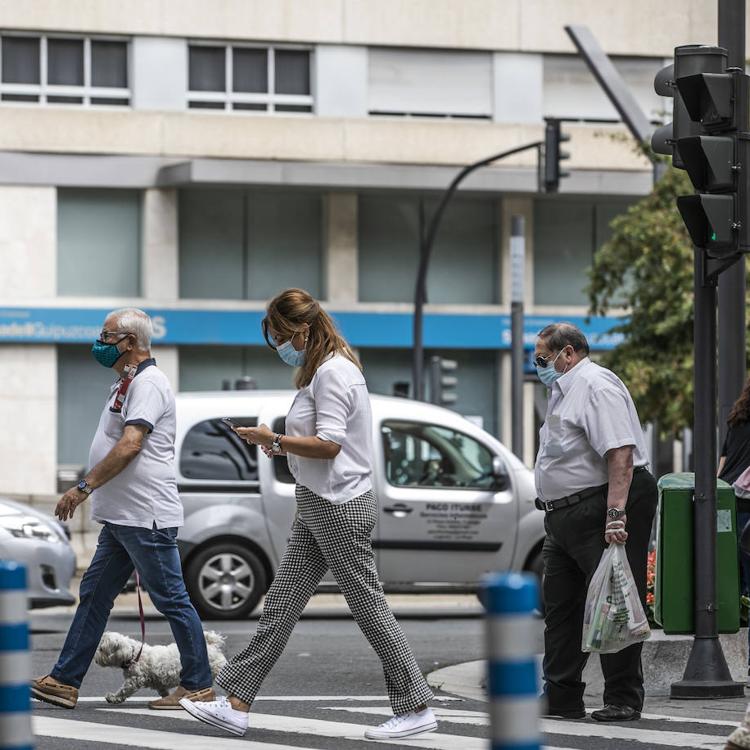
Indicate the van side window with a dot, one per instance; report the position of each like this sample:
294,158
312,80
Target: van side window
280,464
211,450
427,455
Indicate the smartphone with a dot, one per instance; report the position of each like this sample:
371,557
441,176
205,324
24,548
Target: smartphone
240,421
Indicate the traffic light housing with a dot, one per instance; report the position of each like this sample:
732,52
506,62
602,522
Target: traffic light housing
443,381
708,139
552,155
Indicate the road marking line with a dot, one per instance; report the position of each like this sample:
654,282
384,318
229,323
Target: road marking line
108,734
337,729
451,715
693,720
619,732
294,698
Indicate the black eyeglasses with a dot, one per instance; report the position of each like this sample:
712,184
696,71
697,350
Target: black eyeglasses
544,361
267,336
104,335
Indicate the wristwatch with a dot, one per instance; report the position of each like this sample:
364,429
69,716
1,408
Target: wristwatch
276,444
615,513
85,487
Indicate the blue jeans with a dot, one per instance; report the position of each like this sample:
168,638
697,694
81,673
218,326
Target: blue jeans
743,518
154,554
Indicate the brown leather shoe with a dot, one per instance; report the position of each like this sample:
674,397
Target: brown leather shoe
51,691
172,702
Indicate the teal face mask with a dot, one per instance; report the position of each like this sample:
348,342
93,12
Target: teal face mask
290,356
106,354
548,375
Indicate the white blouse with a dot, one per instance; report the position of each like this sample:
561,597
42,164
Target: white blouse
336,407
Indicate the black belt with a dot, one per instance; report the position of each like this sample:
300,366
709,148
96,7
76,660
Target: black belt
564,502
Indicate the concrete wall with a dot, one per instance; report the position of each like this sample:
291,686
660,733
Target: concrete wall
523,25
394,141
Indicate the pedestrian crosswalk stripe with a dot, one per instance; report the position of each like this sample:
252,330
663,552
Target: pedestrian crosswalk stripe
692,720
321,728
451,715
618,732
149,739
290,698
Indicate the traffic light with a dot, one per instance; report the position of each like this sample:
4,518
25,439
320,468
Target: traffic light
708,139
442,382
552,155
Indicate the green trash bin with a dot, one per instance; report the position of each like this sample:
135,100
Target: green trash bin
673,588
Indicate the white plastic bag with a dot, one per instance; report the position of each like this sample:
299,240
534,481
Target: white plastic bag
614,617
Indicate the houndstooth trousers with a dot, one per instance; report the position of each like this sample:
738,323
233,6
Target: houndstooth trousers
337,537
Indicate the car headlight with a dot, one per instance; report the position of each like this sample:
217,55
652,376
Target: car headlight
28,527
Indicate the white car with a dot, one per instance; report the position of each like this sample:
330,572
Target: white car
40,543
454,503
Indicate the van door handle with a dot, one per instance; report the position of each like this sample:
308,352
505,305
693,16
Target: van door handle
399,510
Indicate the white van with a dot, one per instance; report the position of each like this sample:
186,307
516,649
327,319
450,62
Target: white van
454,503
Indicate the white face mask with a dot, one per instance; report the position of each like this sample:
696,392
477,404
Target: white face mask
548,375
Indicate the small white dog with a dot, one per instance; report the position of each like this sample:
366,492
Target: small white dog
159,666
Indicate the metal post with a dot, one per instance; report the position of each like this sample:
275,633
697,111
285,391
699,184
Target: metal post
510,599
706,674
732,357
427,239
15,663
517,267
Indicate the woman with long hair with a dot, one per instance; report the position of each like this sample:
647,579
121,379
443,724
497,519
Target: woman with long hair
328,444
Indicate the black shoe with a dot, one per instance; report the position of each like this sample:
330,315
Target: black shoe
616,713
570,713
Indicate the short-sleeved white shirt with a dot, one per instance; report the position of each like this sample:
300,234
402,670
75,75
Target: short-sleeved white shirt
145,491
336,407
589,412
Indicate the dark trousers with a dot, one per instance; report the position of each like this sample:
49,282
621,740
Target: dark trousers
572,550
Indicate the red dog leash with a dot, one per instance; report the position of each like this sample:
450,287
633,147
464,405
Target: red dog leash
140,614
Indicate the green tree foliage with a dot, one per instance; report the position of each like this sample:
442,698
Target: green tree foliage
647,267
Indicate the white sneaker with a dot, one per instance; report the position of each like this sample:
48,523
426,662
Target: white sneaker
405,725
218,713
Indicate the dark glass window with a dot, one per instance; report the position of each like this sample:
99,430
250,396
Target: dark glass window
427,455
211,450
109,64
280,464
292,71
65,62
20,59
207,68
250,70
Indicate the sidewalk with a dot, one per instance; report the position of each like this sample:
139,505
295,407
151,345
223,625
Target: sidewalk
321,605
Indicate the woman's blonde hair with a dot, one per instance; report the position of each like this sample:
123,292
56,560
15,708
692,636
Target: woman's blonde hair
287,313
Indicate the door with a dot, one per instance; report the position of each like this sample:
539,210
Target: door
445,514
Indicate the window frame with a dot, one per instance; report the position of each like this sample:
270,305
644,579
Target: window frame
270,99
86,92
388,423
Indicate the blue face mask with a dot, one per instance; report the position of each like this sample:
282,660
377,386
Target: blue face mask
106,354
290,356
548,375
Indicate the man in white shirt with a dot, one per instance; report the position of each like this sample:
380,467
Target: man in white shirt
133,488
591,468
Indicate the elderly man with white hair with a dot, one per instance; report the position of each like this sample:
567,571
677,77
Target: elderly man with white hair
133,490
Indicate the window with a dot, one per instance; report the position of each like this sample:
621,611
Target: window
246,78
430,83
64,70
211,450
426,455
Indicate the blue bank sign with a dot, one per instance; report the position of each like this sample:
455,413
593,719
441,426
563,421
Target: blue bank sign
62,325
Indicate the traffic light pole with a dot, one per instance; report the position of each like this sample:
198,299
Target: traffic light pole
517,263
427,240
706,674
732,356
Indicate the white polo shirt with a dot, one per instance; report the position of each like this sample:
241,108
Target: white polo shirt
145,491
589,412
336,407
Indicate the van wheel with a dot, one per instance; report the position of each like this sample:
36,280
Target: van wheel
225,581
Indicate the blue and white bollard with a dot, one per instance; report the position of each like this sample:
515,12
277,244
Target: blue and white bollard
510,599
15,664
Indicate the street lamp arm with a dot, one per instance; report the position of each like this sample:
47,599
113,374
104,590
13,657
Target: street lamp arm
427,239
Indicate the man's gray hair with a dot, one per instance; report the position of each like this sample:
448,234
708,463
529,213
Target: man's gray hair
559,335
135,321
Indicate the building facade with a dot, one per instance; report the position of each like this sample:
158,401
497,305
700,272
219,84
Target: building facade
194,158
